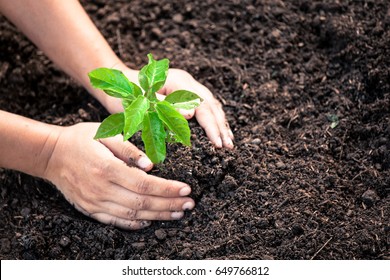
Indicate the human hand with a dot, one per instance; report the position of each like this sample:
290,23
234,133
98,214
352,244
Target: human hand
95,177
209,114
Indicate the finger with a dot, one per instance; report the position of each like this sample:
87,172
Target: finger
188,114
135,201
223,126
144,184
211,117
127,152
132,214
160,96
206,120
119,222
215,107
110,219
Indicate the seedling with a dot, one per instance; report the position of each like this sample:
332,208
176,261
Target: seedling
334,120
159,121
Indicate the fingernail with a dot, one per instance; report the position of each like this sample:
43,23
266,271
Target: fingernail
177,215
229,143
187,113
185,191
188,205
144,162
218,143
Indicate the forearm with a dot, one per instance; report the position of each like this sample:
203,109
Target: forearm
25,144
65,33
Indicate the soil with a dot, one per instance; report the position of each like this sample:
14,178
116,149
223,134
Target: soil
305,86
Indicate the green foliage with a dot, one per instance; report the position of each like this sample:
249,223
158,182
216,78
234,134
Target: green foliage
183,99
114,83
153,75
134,116
159,121
111,126
153,136
174,121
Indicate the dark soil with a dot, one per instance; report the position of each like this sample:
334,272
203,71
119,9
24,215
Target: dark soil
293,188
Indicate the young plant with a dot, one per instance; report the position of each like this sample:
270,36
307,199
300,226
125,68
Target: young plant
159,121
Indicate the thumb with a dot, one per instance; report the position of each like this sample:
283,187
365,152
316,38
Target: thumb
127,152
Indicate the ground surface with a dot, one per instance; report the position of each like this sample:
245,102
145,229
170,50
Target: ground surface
293,188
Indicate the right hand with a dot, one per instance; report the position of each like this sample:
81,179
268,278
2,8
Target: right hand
94,176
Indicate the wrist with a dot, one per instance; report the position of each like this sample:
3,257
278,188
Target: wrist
26,145
131,74
48,148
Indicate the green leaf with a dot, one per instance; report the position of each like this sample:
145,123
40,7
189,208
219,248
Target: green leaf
153,136
127,101
137,91
184,99
134,115
113,82
174,121
111,126
153,75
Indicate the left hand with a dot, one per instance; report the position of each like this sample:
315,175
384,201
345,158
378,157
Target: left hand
209,114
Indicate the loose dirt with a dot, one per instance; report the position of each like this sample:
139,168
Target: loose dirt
305,86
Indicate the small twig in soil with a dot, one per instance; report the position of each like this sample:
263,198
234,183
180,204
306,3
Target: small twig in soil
359,174
322,247
342,144
284,202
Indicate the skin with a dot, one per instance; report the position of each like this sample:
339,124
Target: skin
94,175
